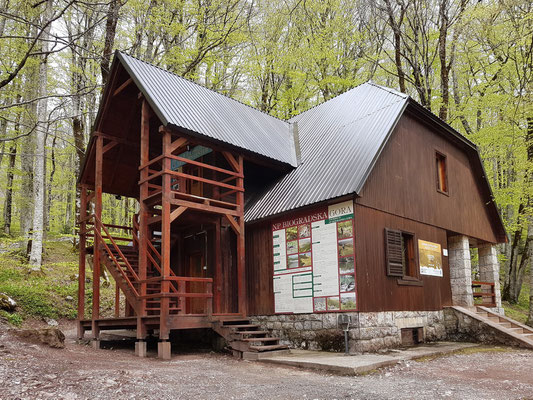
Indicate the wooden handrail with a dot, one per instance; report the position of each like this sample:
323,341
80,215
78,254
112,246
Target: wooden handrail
119,268
483,295
123,227
117,249
176,295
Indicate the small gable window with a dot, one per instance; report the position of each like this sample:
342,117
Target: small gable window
442,173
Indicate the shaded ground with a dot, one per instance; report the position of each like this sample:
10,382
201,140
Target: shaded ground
30,371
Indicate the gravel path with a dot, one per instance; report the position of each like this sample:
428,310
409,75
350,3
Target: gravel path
29,371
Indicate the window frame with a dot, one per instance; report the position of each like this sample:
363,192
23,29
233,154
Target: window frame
411,274
441,157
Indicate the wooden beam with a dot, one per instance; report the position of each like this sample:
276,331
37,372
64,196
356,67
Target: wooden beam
234,224
204,207
165,240
218,267
177,144
177,212
123,86
109,146
204,180
241,270
143,207
211,167
116,139
231,160
96,253
81,271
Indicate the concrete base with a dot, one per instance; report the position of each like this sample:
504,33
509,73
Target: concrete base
163,350
353,365
96,344
140,348
254,355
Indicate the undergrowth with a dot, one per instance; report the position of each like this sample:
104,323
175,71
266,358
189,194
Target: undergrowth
520,310
51,293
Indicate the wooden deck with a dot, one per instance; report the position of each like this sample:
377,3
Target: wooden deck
175,322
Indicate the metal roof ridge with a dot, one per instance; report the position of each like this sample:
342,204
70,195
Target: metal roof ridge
202,86
326,101
390,90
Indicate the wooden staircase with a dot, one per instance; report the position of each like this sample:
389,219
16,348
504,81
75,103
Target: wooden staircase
518,334
127,279
248,340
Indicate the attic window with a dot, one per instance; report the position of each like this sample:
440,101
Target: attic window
442,173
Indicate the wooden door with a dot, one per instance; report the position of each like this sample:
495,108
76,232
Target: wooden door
196,270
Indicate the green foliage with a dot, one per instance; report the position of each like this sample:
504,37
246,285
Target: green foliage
14,318
520,310
44,295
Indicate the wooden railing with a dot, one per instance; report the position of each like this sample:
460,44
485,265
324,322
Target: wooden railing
224,191
181,294
483,291
108,240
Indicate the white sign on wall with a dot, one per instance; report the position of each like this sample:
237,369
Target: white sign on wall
314,261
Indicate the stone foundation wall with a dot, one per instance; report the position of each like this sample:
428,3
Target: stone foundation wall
369,332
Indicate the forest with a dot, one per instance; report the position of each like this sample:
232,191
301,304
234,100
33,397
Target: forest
468,61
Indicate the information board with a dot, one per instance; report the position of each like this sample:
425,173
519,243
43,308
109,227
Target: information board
314,261
430,257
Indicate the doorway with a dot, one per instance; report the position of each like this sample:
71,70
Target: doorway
196,269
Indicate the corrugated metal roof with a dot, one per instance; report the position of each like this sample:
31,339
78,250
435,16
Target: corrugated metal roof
185,104
340,141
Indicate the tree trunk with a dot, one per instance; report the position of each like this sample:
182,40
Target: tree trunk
50,185
110,31
40,160
8,202
444,72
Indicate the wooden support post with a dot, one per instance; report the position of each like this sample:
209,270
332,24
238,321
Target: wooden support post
218,269
165,239
143,208
117,300
96,254
241,243
209,290
81,271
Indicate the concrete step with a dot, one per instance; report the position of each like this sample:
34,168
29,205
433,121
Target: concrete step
260,339
517,333
269,347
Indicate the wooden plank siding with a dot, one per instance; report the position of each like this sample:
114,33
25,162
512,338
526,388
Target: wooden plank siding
259,269
404,183
379,292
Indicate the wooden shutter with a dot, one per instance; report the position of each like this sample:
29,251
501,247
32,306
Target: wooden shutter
394,253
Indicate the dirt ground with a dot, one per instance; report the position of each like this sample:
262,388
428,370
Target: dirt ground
29,371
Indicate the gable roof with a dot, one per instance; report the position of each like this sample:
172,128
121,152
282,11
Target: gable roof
340,141
332,147
181,103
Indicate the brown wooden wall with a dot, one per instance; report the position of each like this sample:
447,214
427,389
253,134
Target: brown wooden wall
379,292
403,182
259,269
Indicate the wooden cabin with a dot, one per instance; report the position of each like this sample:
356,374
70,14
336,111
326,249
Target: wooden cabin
266,231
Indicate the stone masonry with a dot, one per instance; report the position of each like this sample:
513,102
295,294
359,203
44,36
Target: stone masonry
460,271
489,271
369,332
